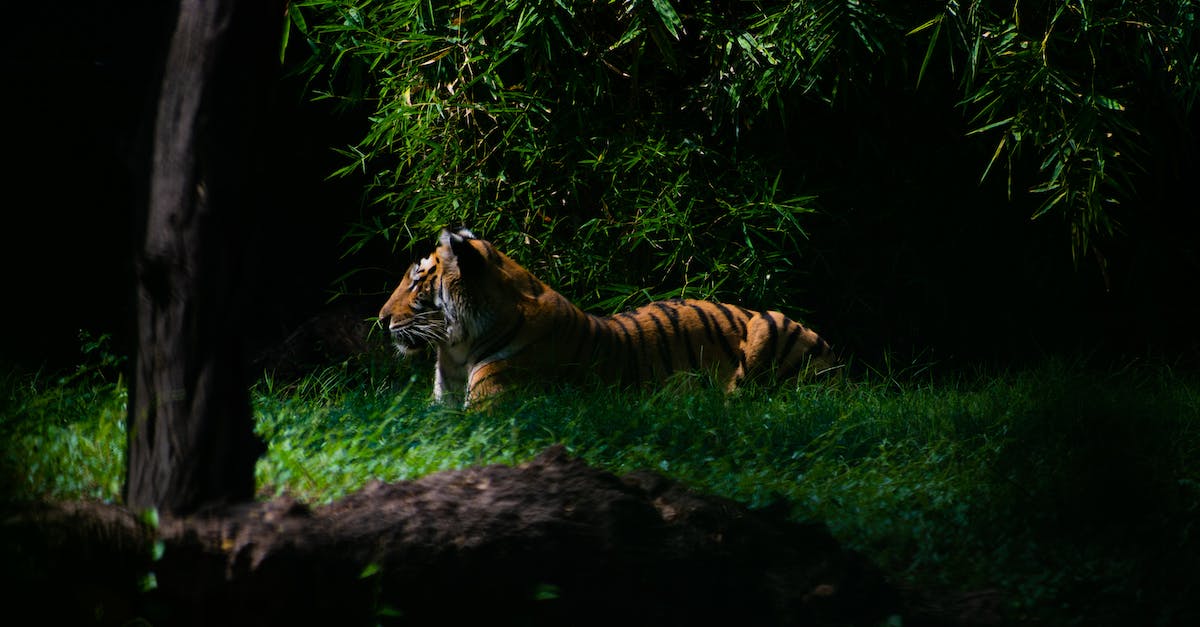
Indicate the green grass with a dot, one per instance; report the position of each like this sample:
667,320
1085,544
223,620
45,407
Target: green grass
62,436
1073,490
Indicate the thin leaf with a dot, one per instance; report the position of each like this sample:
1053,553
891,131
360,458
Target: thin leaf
669,17
933,39
988,127
995,155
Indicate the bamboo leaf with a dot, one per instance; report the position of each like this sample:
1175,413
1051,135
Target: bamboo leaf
933,39
995,155
987,127
935,22
669,17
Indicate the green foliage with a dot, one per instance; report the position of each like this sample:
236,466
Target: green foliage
1073,82
653,140
587,139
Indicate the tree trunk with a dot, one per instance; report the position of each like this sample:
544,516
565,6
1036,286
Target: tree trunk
191,439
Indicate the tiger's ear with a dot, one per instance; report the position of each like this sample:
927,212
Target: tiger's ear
457,234
461,230
456,246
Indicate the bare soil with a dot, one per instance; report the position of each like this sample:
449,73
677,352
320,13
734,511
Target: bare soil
549,542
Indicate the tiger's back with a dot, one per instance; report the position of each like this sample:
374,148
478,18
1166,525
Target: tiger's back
727,342
496,326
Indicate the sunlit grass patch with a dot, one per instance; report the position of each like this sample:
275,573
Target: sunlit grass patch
1072,490
63,436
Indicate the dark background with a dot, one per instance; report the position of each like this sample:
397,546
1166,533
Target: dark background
912,256
83,81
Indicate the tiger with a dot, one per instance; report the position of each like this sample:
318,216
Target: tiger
497,326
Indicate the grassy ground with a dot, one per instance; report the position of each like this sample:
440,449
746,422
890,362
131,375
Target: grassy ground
1074,491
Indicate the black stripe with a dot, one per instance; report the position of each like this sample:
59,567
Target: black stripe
788,367
823,349
772,335
565,331
708,330
733,322
412,270
642,351
535,286
709,324
636,346
634,365
672,311
664,348
792,337
610,370
472,385
604,342
771,348
584,338
498,343
740,326
746,315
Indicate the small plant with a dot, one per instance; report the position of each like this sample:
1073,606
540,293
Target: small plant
64,435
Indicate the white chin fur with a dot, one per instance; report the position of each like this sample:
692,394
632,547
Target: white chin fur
404,349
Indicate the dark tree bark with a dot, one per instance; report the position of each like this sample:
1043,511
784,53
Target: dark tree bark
191,440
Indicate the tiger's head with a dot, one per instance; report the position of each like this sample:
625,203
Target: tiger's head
455,294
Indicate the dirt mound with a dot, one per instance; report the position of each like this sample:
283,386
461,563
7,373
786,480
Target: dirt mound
549,542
